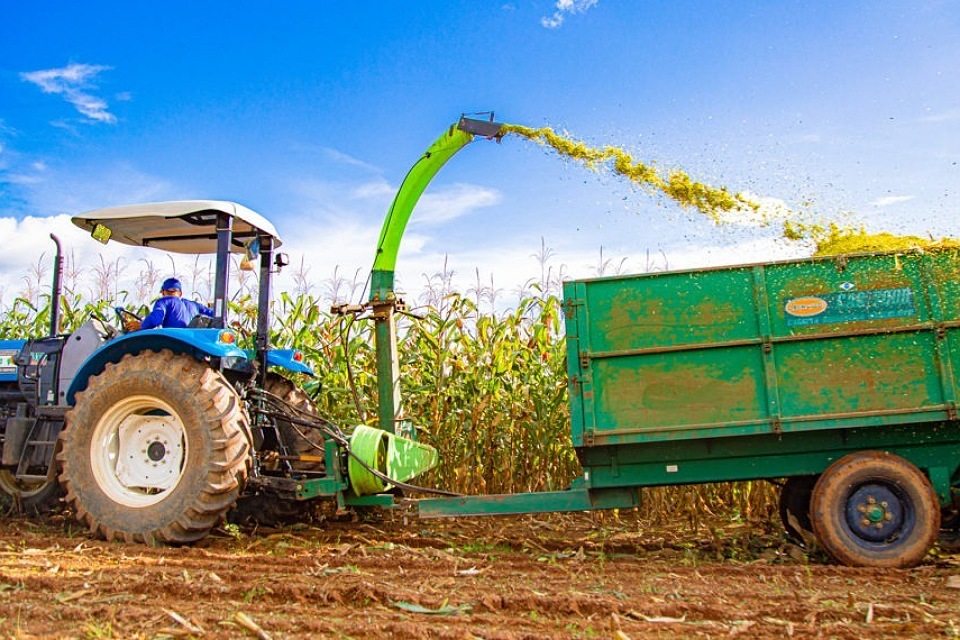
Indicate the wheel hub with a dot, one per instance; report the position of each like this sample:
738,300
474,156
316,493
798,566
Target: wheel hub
150,452
875,512
156,451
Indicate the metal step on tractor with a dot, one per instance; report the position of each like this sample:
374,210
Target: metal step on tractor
155,435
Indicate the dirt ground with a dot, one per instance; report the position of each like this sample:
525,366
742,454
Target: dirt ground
575,576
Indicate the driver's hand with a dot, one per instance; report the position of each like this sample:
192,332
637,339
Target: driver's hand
130,324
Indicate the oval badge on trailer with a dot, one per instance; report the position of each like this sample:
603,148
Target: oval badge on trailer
805,307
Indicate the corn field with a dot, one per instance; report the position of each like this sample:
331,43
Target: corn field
486,387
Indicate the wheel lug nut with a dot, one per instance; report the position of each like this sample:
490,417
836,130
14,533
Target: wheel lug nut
865,522
871,500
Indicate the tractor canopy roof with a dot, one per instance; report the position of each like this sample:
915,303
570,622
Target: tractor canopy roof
183,226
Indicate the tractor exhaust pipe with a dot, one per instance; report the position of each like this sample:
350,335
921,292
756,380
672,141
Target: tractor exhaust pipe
55,293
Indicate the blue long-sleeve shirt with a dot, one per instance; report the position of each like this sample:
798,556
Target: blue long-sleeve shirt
172,312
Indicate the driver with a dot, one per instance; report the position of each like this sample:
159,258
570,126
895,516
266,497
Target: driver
171,310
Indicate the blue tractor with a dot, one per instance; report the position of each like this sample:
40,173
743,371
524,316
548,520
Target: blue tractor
154,436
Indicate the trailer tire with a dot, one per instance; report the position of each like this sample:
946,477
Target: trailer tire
950,527
156,450
794,508
875,509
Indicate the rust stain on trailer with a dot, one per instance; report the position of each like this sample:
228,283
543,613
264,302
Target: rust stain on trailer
634,321
648,398
856,374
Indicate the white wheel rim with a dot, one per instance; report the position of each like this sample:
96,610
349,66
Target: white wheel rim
138,451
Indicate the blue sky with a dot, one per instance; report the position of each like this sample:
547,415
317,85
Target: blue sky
312,112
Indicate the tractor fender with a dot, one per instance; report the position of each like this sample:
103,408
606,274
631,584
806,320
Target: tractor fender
198,343
289,359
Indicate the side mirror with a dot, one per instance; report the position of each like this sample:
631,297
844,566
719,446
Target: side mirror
101,233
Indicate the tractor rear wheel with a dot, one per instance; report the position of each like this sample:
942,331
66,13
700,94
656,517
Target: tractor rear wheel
300,440
155,450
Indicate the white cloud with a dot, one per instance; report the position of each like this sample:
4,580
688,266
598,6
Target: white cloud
564,9
74,83
950,115
886,201
28,252
343,158
51,189
453,202
377,190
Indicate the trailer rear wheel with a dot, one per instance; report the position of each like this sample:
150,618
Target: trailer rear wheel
155,450
950,527
794,508
875,509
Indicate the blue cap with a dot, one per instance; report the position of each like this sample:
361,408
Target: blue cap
171,284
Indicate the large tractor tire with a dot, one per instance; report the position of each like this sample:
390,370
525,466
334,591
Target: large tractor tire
304,442
156,450
301,441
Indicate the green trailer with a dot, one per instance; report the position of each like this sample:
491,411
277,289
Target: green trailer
833,374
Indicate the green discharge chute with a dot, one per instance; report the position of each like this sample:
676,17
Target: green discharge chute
413,186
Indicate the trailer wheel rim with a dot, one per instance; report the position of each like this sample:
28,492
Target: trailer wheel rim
877,513
133,464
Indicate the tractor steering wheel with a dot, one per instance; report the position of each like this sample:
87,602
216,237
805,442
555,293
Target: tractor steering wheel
126,317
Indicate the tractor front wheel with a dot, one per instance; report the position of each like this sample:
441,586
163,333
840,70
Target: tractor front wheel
156,450
35,497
